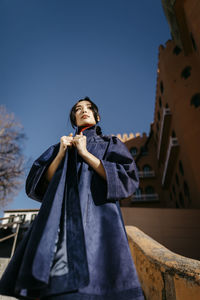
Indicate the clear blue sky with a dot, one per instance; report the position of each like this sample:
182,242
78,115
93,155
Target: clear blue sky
54,52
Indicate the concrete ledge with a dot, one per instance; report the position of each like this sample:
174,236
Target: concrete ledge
164,275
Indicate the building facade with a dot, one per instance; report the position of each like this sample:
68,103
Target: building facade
168,159
24,216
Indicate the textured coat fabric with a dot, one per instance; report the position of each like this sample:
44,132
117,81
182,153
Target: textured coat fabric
77,246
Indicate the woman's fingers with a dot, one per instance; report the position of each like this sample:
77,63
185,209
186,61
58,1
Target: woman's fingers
79,141
66,141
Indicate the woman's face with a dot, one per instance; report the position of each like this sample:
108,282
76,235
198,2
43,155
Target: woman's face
84,114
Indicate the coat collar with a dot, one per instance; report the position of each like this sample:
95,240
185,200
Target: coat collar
90,132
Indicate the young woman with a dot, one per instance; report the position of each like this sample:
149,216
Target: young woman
77,246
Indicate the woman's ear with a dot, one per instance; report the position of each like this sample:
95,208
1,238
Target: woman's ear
98,118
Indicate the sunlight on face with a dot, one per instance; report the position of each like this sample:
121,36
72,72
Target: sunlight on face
84,114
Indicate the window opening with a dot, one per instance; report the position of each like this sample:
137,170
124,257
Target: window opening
193,42
186,72
149,190
160,101
181,199
174,190
133,151
173,134
144,150
181,167
176,50
195,100
158,114
177,179
146,168
186,189
161,87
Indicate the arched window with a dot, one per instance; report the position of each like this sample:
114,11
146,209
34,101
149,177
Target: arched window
186,72
177,179
160,101
181,167
133,151
186,189
181,199
171,198
176,50
195,100
174,190
173,134
161,87
149,190
193,42
158,115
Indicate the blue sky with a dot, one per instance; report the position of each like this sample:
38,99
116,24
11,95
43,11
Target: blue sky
54,52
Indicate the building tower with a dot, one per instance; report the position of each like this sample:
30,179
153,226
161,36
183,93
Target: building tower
169,157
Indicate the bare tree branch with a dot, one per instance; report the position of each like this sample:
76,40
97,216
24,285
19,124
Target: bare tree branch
11,157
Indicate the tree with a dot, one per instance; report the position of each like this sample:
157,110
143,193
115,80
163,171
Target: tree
11,157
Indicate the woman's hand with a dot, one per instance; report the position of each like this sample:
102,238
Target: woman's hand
65,141
80,142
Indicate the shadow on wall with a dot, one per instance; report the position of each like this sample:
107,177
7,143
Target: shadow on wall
176,229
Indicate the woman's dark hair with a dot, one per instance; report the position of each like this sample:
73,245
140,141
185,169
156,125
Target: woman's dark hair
93,107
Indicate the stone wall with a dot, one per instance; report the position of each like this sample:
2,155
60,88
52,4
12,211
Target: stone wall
163,274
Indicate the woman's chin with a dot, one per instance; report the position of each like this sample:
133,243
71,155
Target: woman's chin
86,123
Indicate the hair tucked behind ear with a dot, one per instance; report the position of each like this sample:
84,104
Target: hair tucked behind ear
94,109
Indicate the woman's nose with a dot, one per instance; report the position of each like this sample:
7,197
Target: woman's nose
84,109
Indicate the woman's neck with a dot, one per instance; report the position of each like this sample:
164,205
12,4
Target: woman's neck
82,128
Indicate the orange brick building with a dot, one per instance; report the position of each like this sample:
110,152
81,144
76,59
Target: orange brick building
168,159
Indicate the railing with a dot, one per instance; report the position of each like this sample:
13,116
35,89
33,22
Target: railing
15,235
145,197
146,174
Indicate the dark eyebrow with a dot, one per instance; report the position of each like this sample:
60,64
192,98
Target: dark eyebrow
79,105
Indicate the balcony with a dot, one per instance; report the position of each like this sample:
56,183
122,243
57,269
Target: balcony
164,133
146,174
171,157
145,198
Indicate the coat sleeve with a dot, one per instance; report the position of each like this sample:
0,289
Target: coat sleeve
36,184
121,173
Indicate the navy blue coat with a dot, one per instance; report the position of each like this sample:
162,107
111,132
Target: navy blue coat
77,246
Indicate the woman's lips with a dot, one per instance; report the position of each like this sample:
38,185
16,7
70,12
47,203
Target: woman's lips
85,117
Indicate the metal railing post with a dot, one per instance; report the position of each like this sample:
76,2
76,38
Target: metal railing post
15,240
